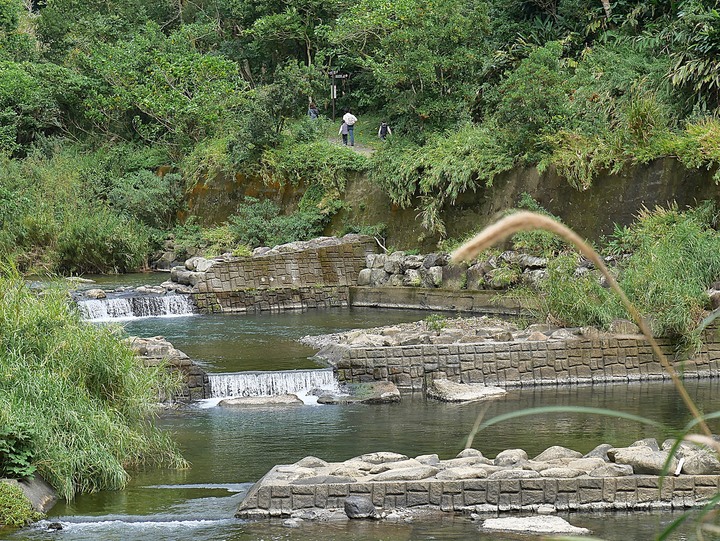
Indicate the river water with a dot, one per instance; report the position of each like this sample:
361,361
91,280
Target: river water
230,449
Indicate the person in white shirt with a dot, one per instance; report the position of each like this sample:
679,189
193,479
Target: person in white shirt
350,120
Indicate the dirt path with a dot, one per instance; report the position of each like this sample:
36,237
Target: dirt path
359,148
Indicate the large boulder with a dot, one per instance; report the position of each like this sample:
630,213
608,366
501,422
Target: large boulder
360,507
450,391
373,392
261,401
556,452
539,524
407,474
644,460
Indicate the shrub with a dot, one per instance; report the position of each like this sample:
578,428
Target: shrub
15,509
100,242
259,222
571,300
671,258
438,172
16,452
80,394
675,257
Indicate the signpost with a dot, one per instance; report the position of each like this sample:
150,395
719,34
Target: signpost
334,74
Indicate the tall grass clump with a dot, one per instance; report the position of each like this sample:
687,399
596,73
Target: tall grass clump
675,257
78,391
665,262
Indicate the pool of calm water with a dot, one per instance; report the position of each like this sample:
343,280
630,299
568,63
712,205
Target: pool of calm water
229,450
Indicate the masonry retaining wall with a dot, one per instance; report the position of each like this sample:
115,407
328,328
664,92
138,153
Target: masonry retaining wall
522,363
487,495
299,276
415,298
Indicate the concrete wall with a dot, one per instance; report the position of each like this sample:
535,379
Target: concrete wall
522,363
415,298
612,198
488,495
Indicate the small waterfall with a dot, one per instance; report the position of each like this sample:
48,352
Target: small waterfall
272,383
136,307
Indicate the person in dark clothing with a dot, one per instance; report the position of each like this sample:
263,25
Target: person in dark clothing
384,130
344,130
313,111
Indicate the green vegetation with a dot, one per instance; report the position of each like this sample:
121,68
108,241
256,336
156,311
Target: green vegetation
15,508
16,452
665,262
111,111
75,403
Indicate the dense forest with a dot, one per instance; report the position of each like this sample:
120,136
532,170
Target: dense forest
110,111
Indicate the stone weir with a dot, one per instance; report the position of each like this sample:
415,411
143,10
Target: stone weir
607,478
295,276
564,356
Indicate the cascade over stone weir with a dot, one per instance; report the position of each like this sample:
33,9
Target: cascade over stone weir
136,307
245,384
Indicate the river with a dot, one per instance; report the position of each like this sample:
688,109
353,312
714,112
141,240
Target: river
230,449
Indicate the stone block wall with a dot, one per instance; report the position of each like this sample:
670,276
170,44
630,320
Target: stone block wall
522,363
156,351
296,276
273,300
488,495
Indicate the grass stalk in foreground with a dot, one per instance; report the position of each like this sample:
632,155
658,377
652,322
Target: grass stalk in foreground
530,221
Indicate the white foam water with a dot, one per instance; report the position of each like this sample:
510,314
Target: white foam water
270,383
125,308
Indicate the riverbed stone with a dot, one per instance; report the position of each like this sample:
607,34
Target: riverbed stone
428,460
600,452
464,472
95,294
407,474
612,470
381,456
400,464
261,401
562,473
311,462
586,464
623,326
643,459
511,457
700,462
555,452
538,524
652,443
364,277
357,507
469,452
450,391
465,461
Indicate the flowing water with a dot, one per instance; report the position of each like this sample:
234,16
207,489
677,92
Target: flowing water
127,308
231,449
